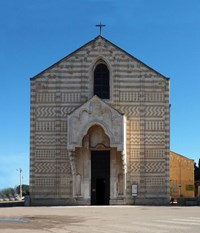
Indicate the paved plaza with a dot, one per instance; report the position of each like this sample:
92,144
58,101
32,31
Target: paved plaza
91,219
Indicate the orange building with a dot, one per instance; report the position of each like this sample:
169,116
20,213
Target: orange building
181,176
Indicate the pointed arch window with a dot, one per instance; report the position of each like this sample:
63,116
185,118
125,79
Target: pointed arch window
102,81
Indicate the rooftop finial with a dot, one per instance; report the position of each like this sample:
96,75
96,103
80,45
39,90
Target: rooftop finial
100,27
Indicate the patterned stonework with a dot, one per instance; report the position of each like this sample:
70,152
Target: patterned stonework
68,121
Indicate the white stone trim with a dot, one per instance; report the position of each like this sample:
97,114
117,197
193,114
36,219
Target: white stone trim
96,112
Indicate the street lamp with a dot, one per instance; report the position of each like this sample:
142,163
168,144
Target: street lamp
20,182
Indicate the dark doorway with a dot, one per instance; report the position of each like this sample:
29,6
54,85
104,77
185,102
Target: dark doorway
100,177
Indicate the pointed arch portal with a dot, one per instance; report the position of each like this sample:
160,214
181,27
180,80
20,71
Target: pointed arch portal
97,152
99,145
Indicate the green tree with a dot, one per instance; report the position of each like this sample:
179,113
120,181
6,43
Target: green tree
25,189
7,192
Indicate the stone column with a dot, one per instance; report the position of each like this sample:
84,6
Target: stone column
124,169
72,159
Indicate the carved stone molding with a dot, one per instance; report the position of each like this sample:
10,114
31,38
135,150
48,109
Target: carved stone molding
124,164
72,160
96,112
96,139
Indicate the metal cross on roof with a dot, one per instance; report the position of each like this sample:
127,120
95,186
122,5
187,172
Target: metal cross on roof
100,27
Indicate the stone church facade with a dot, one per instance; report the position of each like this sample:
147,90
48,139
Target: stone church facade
99,130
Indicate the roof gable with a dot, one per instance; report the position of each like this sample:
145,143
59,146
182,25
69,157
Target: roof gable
97,41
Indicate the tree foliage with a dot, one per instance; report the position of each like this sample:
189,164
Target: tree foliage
25,189
197,176
197,171
11,192
7,192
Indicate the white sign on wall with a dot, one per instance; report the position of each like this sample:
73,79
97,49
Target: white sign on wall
134,190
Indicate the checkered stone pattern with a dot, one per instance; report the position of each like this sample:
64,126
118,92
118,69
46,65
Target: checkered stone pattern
136,90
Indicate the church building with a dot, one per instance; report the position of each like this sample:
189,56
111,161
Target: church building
99,130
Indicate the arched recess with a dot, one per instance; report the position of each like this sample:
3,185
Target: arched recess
101,81
96,138
100,60
100,125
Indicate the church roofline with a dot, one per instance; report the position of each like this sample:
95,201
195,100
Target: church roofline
172,152
130,55
99,36
54,64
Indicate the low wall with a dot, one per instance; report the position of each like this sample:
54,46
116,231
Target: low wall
188,201
11,203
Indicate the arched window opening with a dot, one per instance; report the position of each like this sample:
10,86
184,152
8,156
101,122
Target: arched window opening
102,81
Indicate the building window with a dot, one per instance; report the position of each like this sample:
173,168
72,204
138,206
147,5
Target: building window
102,81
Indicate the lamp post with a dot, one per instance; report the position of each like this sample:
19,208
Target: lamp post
20,182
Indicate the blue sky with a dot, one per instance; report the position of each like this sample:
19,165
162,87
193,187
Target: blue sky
164,34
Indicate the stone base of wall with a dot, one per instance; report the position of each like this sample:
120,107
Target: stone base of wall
148,201
52,202
118,201
127,201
